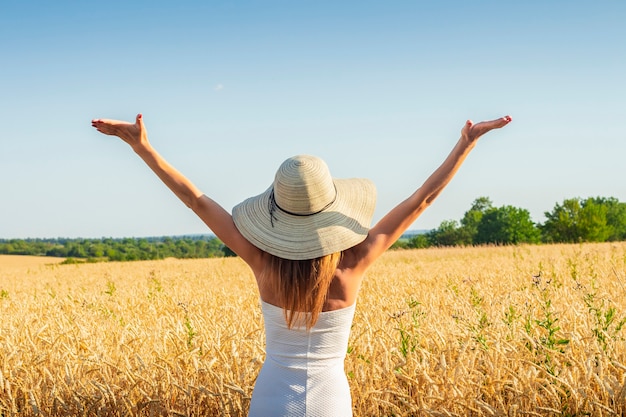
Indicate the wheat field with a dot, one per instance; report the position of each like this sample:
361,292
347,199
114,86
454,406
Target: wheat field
491,331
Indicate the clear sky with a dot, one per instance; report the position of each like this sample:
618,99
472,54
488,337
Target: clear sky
229,89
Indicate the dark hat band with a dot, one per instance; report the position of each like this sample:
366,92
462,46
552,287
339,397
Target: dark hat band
273,205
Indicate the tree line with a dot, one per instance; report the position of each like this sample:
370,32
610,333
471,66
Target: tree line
594,219
123,249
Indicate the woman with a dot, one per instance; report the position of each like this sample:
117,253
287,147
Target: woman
308,242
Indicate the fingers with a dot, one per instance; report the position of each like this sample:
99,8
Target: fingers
473,131
117,127
99,124
131,133
108,126
481,128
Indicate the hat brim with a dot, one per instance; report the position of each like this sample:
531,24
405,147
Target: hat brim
342,225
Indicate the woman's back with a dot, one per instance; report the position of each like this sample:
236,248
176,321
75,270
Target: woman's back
303,373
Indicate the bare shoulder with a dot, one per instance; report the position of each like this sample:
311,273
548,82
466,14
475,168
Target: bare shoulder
358,258
354,261
344,288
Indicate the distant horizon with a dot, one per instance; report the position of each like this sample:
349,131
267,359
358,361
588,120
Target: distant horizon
408,233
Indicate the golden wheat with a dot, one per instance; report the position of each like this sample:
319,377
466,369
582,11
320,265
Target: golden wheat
497,331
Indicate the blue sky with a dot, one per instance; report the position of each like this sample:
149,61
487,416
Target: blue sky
230,89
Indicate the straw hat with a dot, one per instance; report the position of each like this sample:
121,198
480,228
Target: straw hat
306,213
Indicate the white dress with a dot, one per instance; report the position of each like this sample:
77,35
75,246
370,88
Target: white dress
303,374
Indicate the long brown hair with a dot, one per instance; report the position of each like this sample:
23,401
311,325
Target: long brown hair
301,287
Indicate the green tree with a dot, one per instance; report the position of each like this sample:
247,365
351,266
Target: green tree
561,222
76,249
592,220
592,223
471,219
419,241
615,217
449,233
507,225
125,249
228,252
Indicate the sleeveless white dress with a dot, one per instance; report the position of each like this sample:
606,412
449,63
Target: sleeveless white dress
303,374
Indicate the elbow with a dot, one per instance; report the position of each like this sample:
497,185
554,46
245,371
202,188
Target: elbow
430,197
193,204
191,201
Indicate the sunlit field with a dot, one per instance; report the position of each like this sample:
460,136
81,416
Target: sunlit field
497,331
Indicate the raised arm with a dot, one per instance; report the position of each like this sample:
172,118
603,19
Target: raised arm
399,219
211,213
